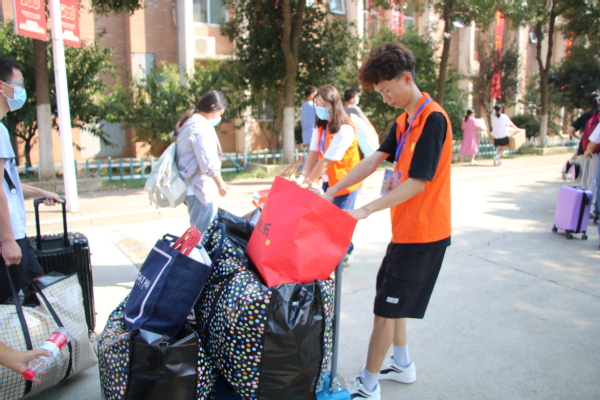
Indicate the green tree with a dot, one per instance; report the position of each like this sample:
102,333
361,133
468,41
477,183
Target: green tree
544,16
577,76
84,65
462,11
153,105
492,62
280,45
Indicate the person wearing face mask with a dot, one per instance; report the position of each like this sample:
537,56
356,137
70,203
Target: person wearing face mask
333,149
17,256
417,192
352,98
199,158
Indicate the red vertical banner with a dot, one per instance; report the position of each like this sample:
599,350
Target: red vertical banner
69,12
30,18
498,46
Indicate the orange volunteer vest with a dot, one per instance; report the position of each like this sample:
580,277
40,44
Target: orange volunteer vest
425,217
338,169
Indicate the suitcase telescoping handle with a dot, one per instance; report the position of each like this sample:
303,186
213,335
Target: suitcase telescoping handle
36,206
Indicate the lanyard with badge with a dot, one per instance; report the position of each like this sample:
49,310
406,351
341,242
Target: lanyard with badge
392,177
322,140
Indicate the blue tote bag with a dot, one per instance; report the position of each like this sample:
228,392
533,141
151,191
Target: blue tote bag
166,288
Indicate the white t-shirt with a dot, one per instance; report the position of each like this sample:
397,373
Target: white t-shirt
339,144
499,125
16,203
595,136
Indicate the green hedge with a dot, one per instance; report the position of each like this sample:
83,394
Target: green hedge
527,122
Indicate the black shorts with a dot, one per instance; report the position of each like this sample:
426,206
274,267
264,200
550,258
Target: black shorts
28,269
501,142
405,282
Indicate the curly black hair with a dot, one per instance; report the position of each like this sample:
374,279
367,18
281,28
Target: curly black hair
385,63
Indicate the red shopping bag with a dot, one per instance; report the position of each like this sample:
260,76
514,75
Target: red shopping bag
299,236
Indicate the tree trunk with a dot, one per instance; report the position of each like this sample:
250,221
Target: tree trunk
544,112
292,26
441,84
44,118
545,70
27,151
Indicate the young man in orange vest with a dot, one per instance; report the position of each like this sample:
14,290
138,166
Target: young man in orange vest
417,191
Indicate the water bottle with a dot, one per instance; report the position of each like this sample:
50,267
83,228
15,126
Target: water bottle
53,345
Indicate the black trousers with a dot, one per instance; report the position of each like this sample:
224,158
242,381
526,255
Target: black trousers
29,268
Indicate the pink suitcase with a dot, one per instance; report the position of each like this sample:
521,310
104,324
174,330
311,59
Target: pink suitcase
572,212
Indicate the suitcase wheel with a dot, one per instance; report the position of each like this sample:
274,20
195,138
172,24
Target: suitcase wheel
554,229
569,235
584,237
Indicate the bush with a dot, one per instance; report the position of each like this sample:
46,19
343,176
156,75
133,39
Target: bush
527,122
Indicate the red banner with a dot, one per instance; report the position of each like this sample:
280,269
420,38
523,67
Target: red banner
69,12
30,18
498,46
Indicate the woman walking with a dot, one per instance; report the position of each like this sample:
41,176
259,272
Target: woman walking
499,124
470,126
199,157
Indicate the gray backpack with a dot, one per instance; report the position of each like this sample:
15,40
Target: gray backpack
165,186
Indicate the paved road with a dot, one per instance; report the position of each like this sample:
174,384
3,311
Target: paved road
515,313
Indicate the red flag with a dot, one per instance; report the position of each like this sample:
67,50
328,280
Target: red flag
498,45
30,19
69,12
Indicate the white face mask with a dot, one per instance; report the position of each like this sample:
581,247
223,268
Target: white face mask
19,99
356,102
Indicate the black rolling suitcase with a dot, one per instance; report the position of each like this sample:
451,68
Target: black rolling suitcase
67,253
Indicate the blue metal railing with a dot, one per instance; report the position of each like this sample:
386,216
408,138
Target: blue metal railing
130,168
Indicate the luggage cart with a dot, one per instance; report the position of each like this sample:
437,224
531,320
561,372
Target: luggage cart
331,388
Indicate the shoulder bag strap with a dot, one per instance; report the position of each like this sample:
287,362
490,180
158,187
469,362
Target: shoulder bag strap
59,323
22,321
180,136
9,182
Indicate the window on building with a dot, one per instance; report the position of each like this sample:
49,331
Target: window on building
263,112
337,7
409,14
209,11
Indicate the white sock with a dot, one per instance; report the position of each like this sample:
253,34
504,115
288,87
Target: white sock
401,355
369,380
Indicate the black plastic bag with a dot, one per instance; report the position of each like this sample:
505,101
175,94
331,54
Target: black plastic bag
167,369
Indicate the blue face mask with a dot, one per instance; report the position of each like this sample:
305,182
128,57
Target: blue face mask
356,102
19,99
215,121
322,113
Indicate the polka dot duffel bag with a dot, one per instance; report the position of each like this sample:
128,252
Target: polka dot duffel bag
142,365
268,343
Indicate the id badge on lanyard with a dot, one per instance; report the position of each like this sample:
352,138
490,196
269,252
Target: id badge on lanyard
391,180
392,177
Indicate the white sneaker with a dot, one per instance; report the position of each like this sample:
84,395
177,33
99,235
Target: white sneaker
359,391
390,370
499,163
348,259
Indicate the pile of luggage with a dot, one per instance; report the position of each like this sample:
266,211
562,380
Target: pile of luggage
189,330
